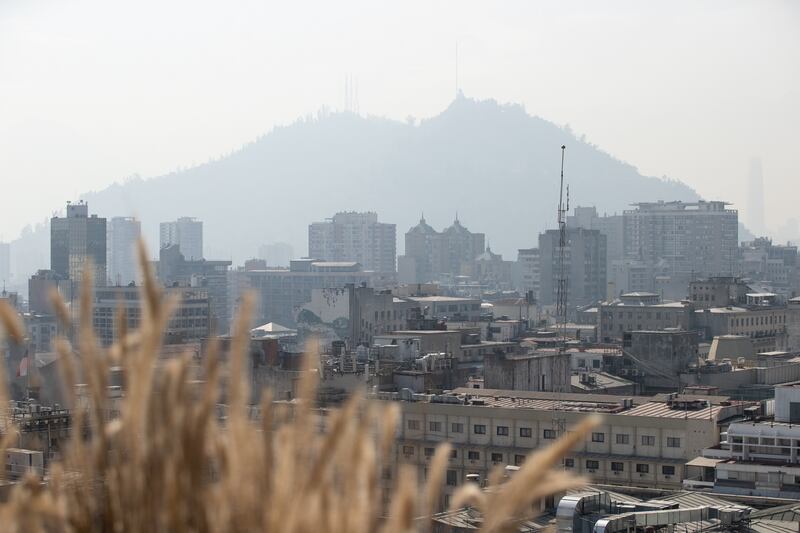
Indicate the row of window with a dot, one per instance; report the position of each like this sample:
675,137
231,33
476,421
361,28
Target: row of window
646,440
503,431
641,468
472,455
758,320
569,462
477,429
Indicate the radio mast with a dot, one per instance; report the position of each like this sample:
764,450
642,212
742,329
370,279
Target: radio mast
561,296
559,423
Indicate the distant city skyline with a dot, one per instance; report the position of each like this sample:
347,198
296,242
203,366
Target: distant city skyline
696,109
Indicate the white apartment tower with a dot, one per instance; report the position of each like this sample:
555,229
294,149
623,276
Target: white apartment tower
122,235
690,238
187,233
356,237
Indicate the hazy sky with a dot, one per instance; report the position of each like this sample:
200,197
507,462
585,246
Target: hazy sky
93,91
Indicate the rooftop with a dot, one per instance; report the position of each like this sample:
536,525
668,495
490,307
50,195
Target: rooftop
441,299
602,380
645,406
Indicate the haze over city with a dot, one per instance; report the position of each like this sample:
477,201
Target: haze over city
352,266
93,92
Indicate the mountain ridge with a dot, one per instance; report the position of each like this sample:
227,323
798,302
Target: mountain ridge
494,164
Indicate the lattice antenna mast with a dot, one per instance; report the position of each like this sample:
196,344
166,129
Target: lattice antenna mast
563,278
559,423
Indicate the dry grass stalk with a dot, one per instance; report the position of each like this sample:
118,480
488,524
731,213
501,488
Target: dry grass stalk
167,463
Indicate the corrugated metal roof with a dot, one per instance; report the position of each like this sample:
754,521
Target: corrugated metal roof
704,462
789,512
772,526
662,410
699,499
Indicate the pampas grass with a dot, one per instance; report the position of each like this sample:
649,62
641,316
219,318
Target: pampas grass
169,463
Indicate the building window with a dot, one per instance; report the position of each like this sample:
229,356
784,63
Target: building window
497,457
428,452
673,442
642,468
453,454
549,433
473,455
435,426
452,478
569,462
525,432
617,467
598,437
648,440
455,427
408,450
479,429
519,459
413,424
623,438
502,431
668,470
592,465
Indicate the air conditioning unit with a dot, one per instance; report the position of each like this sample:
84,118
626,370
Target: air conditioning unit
591,471
634,372
667,477
642,474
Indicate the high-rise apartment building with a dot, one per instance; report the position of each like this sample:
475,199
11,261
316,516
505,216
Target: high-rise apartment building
355,237
609,225
187,233
683,239
123,234
529,271
584,266
75,240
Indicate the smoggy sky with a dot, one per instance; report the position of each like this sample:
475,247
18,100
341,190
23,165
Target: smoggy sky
93,91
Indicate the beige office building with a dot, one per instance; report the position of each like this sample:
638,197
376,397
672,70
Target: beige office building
643,441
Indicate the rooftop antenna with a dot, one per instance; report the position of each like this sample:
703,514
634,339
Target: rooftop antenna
561,297
559,423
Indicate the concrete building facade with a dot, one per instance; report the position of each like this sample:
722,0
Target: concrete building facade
186,233
75,240
212,276
584,265
282,292
539,370
528,271
123,263
625,315
366,312
765,325
357,237
691,239
429,254
643,441
189,322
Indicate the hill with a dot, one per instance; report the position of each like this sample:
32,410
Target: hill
495,165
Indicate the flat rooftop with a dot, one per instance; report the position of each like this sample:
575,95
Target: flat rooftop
441,299
645,406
